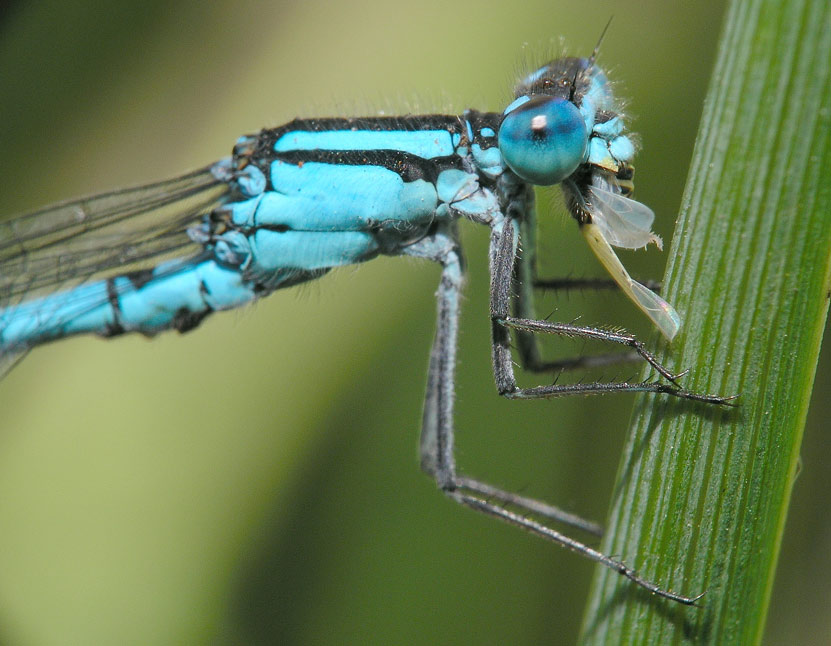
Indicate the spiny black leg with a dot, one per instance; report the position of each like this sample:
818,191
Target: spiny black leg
576,546
567,329
531,505
437,434
525,282
437,439
593,284
502,257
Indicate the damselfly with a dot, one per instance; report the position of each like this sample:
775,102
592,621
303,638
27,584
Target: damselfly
294,202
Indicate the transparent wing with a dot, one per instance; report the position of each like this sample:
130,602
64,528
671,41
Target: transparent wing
96,237
661,313
625,223
66,245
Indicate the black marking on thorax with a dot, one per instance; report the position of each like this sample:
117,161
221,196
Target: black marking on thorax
408,166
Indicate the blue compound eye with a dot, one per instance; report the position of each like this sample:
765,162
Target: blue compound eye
543,140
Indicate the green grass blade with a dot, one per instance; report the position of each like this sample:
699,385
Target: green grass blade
702,493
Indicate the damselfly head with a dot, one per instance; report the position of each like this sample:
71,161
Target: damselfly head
563,127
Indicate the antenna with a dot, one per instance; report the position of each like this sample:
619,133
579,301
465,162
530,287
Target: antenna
600,40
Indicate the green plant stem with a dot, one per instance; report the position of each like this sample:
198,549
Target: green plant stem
702,492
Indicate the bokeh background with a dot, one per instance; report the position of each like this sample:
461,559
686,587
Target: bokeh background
257,481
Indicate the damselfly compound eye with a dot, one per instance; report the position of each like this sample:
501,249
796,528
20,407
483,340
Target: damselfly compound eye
543,139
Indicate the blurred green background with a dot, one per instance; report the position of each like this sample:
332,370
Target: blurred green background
257,481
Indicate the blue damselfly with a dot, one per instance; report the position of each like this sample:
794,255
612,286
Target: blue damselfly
208,232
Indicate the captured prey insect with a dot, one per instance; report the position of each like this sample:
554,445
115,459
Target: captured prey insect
296,201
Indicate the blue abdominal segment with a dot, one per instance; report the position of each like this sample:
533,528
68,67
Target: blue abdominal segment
170,296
